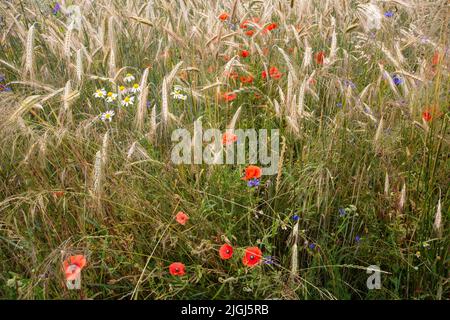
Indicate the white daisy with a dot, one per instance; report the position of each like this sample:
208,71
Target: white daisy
108,115
111,97
177,93
122,89
129,77
127,101
135,88
100,93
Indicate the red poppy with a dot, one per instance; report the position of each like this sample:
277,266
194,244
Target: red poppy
182,218
245,53
226,252
177,269
435,60
224,16
426,115
252,256
271,26
246,79
245,23
73,265
250,33
274,73
229,138
58,194
320,56
232,75
229,96
252,172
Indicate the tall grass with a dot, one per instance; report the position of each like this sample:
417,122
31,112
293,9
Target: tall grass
364,171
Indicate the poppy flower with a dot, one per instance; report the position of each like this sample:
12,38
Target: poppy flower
252,172
435,60
73,265
177,269
245,23
182,218
426,115
249,33
226,252
271,27
224,16
252,256
245,53
273,73
320,56
229,96
246,79
229,138
58,194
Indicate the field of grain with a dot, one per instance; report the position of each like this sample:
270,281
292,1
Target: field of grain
91,92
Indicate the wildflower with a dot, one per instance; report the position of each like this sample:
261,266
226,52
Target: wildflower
397,79
320,56
111,97
271,27
58,194
135,88
253,183
273,73
229,96
252,172
342,212
418,254
224,16
426,115
295,217
4,88
226,252
268,260
122,89
435,60
100,93
229,138
177,93
249,33
56,8
357,238
348,83
182,218
312,246
73,265
245,23
252,256
245,53
246,79
107,116
389,14
127,101
129,78
339,104
177,269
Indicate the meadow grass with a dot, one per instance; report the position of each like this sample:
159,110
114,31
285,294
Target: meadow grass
365,158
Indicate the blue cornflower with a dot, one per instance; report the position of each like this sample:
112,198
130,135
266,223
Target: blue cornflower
357,238
397,79
349,83
268,260
312,246
388,14
295,217
56,8
253,183
5,88
339,104
342,212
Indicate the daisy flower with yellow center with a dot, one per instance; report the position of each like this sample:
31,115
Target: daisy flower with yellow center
135,88
100,93
122,89
129,78
111,97
127,101
107,116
